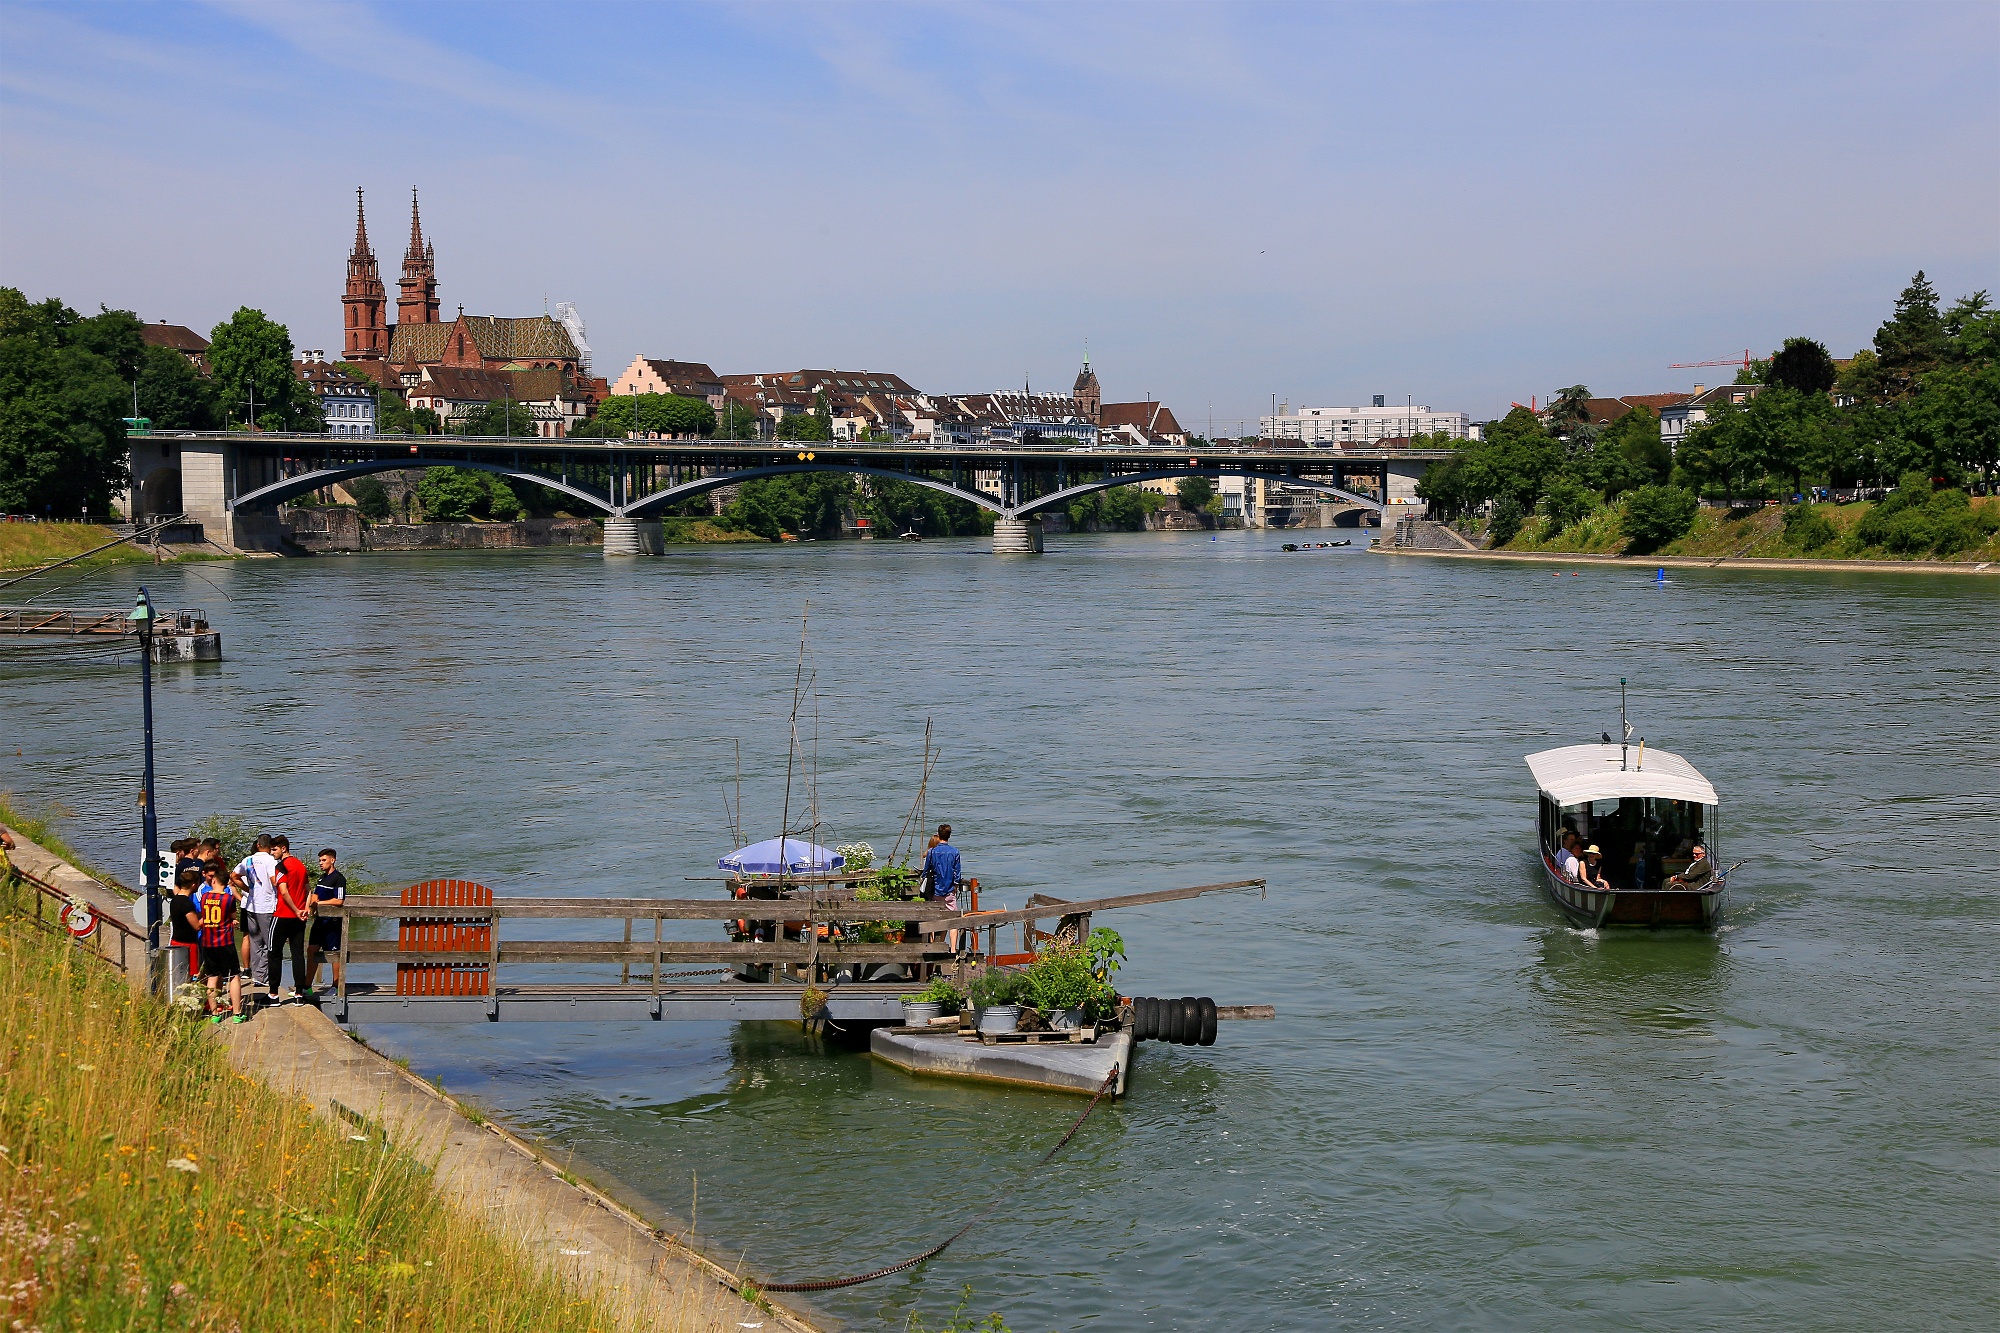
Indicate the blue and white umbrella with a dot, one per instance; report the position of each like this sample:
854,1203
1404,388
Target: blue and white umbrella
794,858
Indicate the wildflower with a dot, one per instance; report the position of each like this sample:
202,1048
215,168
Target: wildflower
182,1164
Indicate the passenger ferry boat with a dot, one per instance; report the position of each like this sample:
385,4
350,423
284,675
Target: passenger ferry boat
1645,809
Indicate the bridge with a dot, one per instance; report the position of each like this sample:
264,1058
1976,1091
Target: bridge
234,481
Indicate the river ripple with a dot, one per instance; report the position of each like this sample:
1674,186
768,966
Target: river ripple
1466,1115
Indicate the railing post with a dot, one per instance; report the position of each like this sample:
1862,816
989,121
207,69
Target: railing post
493,966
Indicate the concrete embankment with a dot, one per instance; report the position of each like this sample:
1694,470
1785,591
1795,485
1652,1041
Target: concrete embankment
1706,561
498,1180
337,529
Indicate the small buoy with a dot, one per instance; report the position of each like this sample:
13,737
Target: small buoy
1661,576
1573,574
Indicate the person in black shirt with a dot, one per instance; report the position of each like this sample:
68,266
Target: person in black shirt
180,914
331,887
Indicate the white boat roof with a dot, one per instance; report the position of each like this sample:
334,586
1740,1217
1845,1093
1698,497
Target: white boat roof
1578,773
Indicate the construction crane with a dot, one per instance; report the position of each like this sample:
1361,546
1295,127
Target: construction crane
1744,362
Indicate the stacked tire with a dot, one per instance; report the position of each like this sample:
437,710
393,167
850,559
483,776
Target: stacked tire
1190,1021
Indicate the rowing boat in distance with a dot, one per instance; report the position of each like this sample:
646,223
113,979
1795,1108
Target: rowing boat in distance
1644,813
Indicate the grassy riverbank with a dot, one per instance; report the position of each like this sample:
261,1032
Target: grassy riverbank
1762,532
700,531
29,545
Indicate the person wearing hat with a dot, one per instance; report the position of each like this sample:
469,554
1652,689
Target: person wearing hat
1590,871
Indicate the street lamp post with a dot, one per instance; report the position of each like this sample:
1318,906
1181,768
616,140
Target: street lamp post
143,617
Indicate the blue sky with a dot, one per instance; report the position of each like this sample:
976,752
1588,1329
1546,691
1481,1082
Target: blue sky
1464,203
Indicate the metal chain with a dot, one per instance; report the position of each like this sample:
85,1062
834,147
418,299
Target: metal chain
834,1283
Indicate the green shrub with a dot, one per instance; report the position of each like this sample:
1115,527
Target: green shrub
1565,503
1000,986
1507,518
939,992
1807,527
1656,515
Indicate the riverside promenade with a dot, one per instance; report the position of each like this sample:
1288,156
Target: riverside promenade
652,1277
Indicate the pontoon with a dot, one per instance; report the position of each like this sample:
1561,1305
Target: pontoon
1645,809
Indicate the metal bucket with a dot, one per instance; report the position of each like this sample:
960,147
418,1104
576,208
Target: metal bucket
919,1013
998,1018
1066,1020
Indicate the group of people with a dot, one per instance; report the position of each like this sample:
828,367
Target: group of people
239,921
1584,863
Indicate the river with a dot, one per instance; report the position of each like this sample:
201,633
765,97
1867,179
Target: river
1466,1115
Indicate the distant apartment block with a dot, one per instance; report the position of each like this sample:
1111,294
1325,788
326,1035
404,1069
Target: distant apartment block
1337,427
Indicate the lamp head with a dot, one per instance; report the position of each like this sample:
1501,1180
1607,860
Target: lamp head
142,611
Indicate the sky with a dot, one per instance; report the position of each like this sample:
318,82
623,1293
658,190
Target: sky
1463,204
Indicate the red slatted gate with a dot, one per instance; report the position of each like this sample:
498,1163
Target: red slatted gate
470,934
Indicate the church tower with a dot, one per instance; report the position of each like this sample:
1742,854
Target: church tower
363,306
1086,392
417,300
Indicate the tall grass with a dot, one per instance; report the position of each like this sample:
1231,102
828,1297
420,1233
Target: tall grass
146,1185
26,545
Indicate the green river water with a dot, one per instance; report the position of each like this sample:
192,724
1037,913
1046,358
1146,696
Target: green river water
1467,1115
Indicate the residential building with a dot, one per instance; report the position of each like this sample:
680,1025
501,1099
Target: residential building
548,397
1019,417
420,337
1140,424
1679,418
1604,411
862,399
180,338
689,379
1340,427
347,403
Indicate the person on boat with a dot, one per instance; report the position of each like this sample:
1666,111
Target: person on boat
1566,861
1590,871
941,870
1698,873
1636,863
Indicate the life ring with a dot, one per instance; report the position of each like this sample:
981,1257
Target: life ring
79,918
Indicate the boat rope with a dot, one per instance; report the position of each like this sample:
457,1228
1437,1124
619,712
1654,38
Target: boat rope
835,1283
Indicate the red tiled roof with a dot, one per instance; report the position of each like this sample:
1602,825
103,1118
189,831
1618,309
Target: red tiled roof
1604,411
1156,418
177,336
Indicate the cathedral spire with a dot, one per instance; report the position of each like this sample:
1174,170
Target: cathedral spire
417,300
365,301
416,249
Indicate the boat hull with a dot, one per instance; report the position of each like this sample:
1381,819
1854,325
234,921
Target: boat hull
1698,909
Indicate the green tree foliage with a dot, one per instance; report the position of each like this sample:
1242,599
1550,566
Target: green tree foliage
1119,509
173,395
454,494
1916,519
1445,491
1565,502
1803,366
251,355
1569,409
1195,493
811,504
1656,515
1913,339
1630,453
656,413
805,426
497,418
1722,453
737,421
65,388
903,506
1507,519
371,497
1807,528
1515,460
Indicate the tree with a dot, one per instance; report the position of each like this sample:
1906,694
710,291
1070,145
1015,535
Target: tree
656,414
1630,453
1913,339
737,421
496,418
1802,366
1444,489
251,359
173,395
1656,515
1516,459
1723,451
392,409
1507,518
1194,493
904,506
453,494
371,497
1568,409
1566,501
63,400
806,426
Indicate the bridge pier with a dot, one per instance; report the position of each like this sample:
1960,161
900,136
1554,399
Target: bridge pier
634,536
1017,536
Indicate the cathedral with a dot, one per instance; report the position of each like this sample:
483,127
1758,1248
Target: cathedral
419,337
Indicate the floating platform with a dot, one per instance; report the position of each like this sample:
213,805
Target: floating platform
1058,1066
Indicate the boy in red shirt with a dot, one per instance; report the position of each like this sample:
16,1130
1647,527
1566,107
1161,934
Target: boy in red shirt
289,927
214,920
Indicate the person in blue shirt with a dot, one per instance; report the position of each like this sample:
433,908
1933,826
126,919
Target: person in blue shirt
941,869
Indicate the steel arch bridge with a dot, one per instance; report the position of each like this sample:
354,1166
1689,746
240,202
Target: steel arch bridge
643,479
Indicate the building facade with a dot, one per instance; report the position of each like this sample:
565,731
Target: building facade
347,403
547,397
688,379
1338,427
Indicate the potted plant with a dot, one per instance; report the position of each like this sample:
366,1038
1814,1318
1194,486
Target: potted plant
997,998
933,1001
1062,984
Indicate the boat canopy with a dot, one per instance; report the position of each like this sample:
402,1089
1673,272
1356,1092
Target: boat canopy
794,857
1578,773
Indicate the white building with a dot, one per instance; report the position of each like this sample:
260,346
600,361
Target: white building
348,403
1337,427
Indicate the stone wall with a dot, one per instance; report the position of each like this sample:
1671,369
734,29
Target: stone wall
337,528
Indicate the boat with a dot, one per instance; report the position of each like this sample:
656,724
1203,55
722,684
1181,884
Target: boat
1644,808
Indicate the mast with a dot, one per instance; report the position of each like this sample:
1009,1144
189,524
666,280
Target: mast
1624,727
